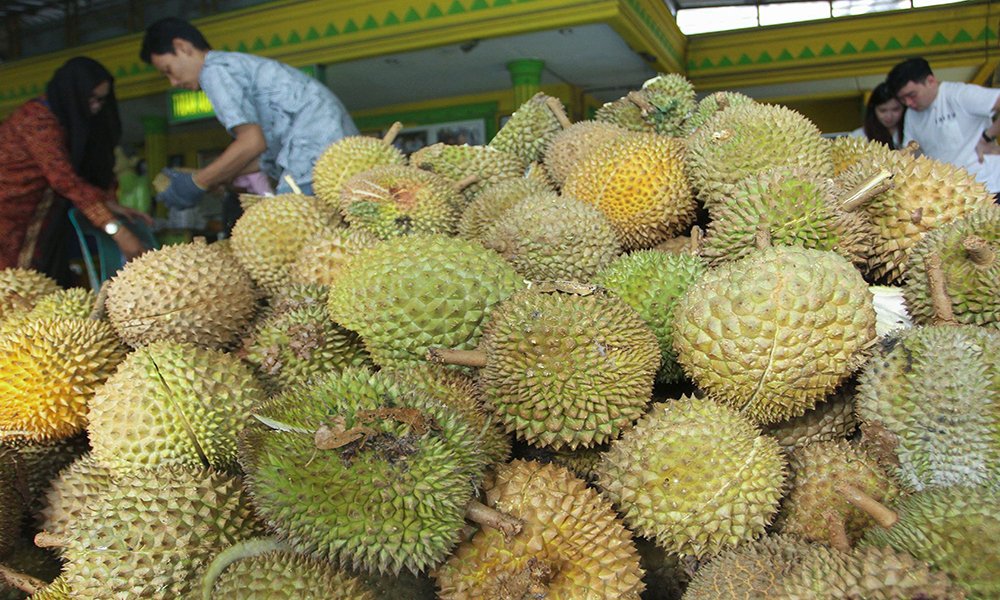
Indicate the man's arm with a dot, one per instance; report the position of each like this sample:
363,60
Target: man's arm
986,144
248,145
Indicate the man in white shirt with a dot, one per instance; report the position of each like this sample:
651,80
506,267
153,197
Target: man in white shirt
952,122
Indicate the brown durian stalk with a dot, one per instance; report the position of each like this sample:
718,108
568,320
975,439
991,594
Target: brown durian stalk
478,512
883,515
944,314
979,251
22,581
558,111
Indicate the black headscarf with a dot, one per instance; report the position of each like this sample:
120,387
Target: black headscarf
92,138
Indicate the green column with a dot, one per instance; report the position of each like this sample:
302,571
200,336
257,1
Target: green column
526,75
156,150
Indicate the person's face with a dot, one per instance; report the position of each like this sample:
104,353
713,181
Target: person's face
98,97
918,96
181,68
888,113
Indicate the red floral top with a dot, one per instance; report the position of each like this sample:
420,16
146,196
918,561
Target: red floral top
33,158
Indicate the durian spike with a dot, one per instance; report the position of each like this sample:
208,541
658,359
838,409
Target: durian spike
22,581
943,313
99,312
866,190
44,539
911,149
979,251
558,111
465,358
390,136
477,512
236,552
762,238
878,511
639,99
837,533
291,183
697,239
466,181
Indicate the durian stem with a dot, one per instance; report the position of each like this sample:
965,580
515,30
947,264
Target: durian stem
477,512
911,149
721,101
639,99
837,533
943,312
979,251
866,190
44,539
291,183
98,311
466,181
558,111
390,136
878,511
22,581
697,238
917,216
465,358
236,552
762,238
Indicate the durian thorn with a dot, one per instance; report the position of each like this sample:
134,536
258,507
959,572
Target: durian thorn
878,511
470,179
98,312
477,512
465,358
291,183
555,105
911,149
697,239
979,251
762,238
866,190
837,533
390,136
22,581
44,539
237,552
639,99
943,312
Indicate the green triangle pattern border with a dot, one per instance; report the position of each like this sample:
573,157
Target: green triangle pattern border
869,46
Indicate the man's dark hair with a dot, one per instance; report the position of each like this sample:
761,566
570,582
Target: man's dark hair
912,69
160,36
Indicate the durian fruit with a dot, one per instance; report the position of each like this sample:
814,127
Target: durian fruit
747,138
711,104
183,293
265,569
925,195
791,207
570,145
268,237
815,510
52,367
413,292
393,200
152,532
832,419
564,366
12,502
461,393
531,128
572,544
548,237
21,288
639,181
662,106
872,573
73,491
73,303
651,282
496,199
39,463
890,309
457,163
752,571
325,253
933,393
172,404
775,332
296,346
363,472
847,151
953,529
967,249
349,156
57,590
695,477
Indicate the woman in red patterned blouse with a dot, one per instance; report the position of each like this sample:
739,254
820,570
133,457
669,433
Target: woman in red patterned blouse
62,143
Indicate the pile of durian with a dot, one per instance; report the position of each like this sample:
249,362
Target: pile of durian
682,350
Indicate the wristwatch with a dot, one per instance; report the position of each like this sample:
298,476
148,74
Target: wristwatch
989,138
112,227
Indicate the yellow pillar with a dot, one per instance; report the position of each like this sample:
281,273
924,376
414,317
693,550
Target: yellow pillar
526,75
156,150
